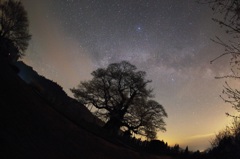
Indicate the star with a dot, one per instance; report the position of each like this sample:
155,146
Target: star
138,28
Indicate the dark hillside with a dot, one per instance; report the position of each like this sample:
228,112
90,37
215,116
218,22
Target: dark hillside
53,93
30,128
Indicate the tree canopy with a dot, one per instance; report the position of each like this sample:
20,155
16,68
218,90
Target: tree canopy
14,33
120,94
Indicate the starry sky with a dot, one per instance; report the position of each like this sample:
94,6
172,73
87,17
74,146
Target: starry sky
170,40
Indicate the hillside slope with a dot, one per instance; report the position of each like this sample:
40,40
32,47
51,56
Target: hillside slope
53,93
30,128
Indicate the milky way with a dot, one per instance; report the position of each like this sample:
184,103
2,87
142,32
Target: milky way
170,40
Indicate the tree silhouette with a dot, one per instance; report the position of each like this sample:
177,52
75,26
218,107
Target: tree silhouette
228,17
14,34
227,142
120,94
186,151
230,11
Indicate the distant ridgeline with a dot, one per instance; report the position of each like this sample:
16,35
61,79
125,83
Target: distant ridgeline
54,94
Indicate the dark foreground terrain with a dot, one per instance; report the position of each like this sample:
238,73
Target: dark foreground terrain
30,128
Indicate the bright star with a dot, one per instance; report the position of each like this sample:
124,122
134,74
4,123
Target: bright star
138,28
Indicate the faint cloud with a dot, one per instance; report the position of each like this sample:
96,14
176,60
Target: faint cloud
199,136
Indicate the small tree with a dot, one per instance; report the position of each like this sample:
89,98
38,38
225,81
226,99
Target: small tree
14,34
227,142
119,93
186,152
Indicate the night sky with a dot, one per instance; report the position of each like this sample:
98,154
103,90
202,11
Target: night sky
169,39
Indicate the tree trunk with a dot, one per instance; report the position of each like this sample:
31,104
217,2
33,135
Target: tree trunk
115,121
113,125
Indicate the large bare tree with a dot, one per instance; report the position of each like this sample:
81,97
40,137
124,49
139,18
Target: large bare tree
120,94
227,15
